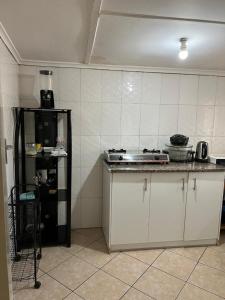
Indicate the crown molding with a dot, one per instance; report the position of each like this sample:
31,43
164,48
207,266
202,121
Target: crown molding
9,44
58,64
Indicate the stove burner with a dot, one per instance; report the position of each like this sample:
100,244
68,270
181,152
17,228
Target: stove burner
117,151
151,151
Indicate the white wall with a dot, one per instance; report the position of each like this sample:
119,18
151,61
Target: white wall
8,98
132,110
9,95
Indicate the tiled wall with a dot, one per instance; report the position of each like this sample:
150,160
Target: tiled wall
9,97
132,110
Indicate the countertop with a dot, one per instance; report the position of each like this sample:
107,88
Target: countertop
170,167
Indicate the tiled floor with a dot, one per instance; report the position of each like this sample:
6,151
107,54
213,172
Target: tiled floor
87,271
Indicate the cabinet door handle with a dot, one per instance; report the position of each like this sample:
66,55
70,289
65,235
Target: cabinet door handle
195,185
145,184
183,184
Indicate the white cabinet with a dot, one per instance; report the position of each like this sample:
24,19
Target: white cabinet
167,206
204,201
147,210
130,208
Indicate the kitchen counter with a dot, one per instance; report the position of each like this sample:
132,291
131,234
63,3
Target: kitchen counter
171,167
154,206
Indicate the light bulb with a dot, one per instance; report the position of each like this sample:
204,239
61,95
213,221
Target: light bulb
183,53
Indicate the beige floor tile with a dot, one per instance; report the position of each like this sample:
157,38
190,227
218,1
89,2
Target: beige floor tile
147,256
134,294
126,268
191,292
73,272
81,238
52,257
220,248
214,259
209,279
192,252
174,264
159,285
102,286
50,289
96,253
73,296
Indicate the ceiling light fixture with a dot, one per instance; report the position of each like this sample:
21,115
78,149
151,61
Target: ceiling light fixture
183,53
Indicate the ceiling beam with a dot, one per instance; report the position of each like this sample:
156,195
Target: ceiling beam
156,17
93,30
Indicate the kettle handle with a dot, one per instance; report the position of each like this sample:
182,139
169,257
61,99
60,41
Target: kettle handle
204,151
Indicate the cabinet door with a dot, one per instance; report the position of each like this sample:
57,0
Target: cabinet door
204,202
130,208
167,207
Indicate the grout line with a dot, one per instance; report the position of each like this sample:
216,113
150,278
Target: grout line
192,271
59,282
142,260
171,250
169,273
204,290
132,286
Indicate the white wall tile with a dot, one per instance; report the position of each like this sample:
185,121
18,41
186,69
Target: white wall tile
76,183
90,182
110,142
148,142
131,87
151,88
130,142
219,125
90,150
75,213
130,123
207,90
69,84
187,119
149,122
168,119
90,85
188,89
76,152
218,145
111,119
170,89
220,91
205,120
91,212
90,118
162,140
111,86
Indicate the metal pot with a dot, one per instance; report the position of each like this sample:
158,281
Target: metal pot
180,153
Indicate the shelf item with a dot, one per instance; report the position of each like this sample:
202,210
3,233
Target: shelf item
50,128
25,233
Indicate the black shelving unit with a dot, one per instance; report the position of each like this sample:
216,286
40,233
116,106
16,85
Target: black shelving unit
45,132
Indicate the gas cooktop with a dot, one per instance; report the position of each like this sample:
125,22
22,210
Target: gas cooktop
135,156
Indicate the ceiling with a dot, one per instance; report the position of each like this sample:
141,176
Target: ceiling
118,32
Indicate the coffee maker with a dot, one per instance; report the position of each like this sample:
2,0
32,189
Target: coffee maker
46,92
201,154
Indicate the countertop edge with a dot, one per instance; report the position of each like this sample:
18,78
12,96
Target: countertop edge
166,168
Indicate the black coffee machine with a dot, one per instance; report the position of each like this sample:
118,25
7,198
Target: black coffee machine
46,92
